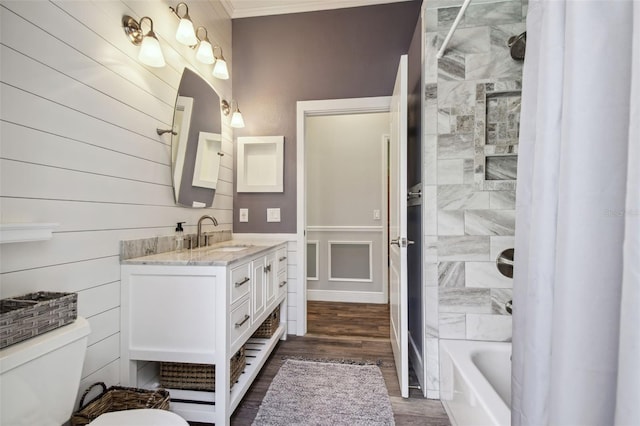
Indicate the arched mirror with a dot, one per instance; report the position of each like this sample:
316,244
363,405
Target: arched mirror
196,142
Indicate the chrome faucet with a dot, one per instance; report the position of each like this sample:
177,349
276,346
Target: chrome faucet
215,223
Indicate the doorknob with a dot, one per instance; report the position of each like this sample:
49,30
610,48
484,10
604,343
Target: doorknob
401,242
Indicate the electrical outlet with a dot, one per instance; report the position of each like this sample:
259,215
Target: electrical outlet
244,215
273,215
376,214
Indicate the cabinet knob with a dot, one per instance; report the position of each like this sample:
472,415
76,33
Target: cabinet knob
267,268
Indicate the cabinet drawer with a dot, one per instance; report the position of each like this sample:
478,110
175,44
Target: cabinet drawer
282,283
240,282
281,256
240,321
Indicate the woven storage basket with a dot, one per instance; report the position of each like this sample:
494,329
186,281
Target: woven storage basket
32,314
270,325
201,377
118,398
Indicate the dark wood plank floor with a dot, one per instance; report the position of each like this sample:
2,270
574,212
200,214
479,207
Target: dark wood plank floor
364,338
348,319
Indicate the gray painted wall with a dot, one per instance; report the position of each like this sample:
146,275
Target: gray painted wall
282,59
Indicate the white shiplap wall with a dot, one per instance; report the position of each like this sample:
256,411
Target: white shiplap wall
79,147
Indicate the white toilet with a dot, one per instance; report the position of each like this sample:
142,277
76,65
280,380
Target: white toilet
39,380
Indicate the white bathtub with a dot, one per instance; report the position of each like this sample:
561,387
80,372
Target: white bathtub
475,382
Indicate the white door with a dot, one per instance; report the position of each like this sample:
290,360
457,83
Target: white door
398,297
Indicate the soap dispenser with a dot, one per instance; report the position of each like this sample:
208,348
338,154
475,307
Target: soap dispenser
179,237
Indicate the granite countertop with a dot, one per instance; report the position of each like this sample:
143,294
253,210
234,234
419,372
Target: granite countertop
220,254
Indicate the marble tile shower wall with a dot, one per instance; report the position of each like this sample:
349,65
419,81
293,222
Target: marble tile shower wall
467,224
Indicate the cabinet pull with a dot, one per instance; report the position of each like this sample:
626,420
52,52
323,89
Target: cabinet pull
282,258
283,283
244,281
245,319
267,268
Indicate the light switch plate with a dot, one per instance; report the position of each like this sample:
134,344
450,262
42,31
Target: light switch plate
376,214
273,215
244,215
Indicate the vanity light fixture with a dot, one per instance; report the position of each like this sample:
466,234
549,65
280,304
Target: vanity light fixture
185,33
150,52
204,53
220,69
236,117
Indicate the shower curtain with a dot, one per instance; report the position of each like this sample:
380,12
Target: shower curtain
576,332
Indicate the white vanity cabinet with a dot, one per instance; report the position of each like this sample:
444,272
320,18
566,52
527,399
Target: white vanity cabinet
201,307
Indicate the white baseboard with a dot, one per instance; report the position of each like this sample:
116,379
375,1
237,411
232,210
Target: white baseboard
346,296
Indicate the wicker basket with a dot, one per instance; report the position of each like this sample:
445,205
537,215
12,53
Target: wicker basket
200,377
270,325
118,398
32,314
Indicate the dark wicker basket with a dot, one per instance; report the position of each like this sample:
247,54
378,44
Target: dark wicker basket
118,398
32,314
200,377
270,325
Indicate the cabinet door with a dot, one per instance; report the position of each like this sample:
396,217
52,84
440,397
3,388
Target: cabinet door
258,282
270,274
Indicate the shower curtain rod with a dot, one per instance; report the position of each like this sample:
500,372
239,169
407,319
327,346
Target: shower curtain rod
453,28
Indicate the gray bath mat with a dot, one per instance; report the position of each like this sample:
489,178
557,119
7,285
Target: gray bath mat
324,393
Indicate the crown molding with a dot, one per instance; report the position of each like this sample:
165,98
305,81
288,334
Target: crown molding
245,9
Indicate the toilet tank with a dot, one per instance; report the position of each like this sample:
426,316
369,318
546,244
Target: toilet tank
39,378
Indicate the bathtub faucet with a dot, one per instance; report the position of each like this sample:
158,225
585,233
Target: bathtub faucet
198,236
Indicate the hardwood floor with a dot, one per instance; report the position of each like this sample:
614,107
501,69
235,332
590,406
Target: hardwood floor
348,319
364,338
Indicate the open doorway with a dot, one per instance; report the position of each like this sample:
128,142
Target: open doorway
342,216
346,189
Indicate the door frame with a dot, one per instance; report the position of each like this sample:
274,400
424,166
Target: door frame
305,109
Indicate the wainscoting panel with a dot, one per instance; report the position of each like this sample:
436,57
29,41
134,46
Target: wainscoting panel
359,275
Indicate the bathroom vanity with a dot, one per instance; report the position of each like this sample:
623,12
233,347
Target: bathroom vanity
201,306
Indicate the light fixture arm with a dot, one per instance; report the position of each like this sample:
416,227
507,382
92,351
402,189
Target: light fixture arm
214,52
225,107
150,52
206,35
177,9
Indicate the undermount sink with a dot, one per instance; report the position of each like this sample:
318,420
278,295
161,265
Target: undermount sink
231,248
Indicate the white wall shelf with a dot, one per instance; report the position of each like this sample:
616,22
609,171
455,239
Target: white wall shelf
260,163
24,232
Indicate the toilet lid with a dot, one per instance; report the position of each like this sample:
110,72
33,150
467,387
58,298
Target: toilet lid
141,417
